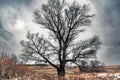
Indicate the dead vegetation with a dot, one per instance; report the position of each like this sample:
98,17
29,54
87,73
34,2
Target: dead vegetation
10,69
72,73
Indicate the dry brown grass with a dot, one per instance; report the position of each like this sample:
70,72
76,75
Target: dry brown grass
72,73
9,68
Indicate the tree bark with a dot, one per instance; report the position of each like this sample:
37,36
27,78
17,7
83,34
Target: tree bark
61,73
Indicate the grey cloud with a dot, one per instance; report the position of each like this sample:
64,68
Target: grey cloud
4,33
15,2
15,20
8,9
107,18
109,29
5,39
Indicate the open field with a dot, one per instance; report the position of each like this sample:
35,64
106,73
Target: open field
72,73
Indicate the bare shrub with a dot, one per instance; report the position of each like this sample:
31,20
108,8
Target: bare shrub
97,66
9,67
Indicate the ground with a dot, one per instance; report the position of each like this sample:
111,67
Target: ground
72,73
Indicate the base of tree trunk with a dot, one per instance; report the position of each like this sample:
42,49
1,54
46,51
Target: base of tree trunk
61,77
61,74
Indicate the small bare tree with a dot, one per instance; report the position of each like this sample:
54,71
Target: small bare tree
7,65
64,24
97,66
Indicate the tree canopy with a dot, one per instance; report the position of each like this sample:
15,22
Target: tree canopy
64,25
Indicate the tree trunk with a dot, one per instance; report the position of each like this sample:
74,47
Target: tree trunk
81,68
61,73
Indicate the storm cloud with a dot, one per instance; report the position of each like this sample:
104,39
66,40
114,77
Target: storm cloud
16,18
108,28
15,21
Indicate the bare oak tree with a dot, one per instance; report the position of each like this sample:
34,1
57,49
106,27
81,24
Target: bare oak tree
64,24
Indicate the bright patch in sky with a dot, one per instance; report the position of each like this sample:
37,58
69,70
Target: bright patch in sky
20,24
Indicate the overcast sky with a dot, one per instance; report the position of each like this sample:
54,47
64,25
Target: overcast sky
16,18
